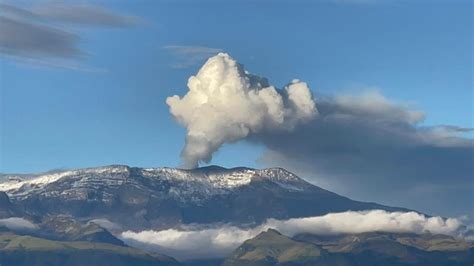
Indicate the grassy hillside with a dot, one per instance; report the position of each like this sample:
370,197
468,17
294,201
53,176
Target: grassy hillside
16,250
270,248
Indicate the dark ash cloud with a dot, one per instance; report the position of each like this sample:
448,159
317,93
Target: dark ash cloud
370,148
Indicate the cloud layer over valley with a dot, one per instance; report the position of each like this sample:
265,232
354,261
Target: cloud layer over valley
18,224
219,241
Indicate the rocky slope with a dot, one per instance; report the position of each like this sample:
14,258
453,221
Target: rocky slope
7,209
65,228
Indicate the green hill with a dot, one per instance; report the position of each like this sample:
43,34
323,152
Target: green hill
271,248
17,250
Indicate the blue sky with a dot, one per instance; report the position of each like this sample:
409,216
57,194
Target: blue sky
111,108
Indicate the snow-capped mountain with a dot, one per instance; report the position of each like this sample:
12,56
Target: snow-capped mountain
163,197
183,185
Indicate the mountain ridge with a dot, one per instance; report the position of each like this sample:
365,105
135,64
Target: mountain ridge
54,175
164,196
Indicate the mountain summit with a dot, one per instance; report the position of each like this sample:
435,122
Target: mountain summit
163,197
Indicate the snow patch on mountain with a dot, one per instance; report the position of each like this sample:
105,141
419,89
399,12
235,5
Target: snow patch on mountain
12,185
184,185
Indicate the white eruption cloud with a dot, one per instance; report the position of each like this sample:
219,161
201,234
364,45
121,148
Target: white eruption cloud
220,241
226,104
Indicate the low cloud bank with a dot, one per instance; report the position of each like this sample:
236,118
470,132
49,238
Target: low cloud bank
18,224
219,241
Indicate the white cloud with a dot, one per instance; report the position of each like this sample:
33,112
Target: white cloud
367,221
17,223
221,240
225,104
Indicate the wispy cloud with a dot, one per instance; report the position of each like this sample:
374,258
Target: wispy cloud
188,55
11,10
84,15
35,35
25,39
55,63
